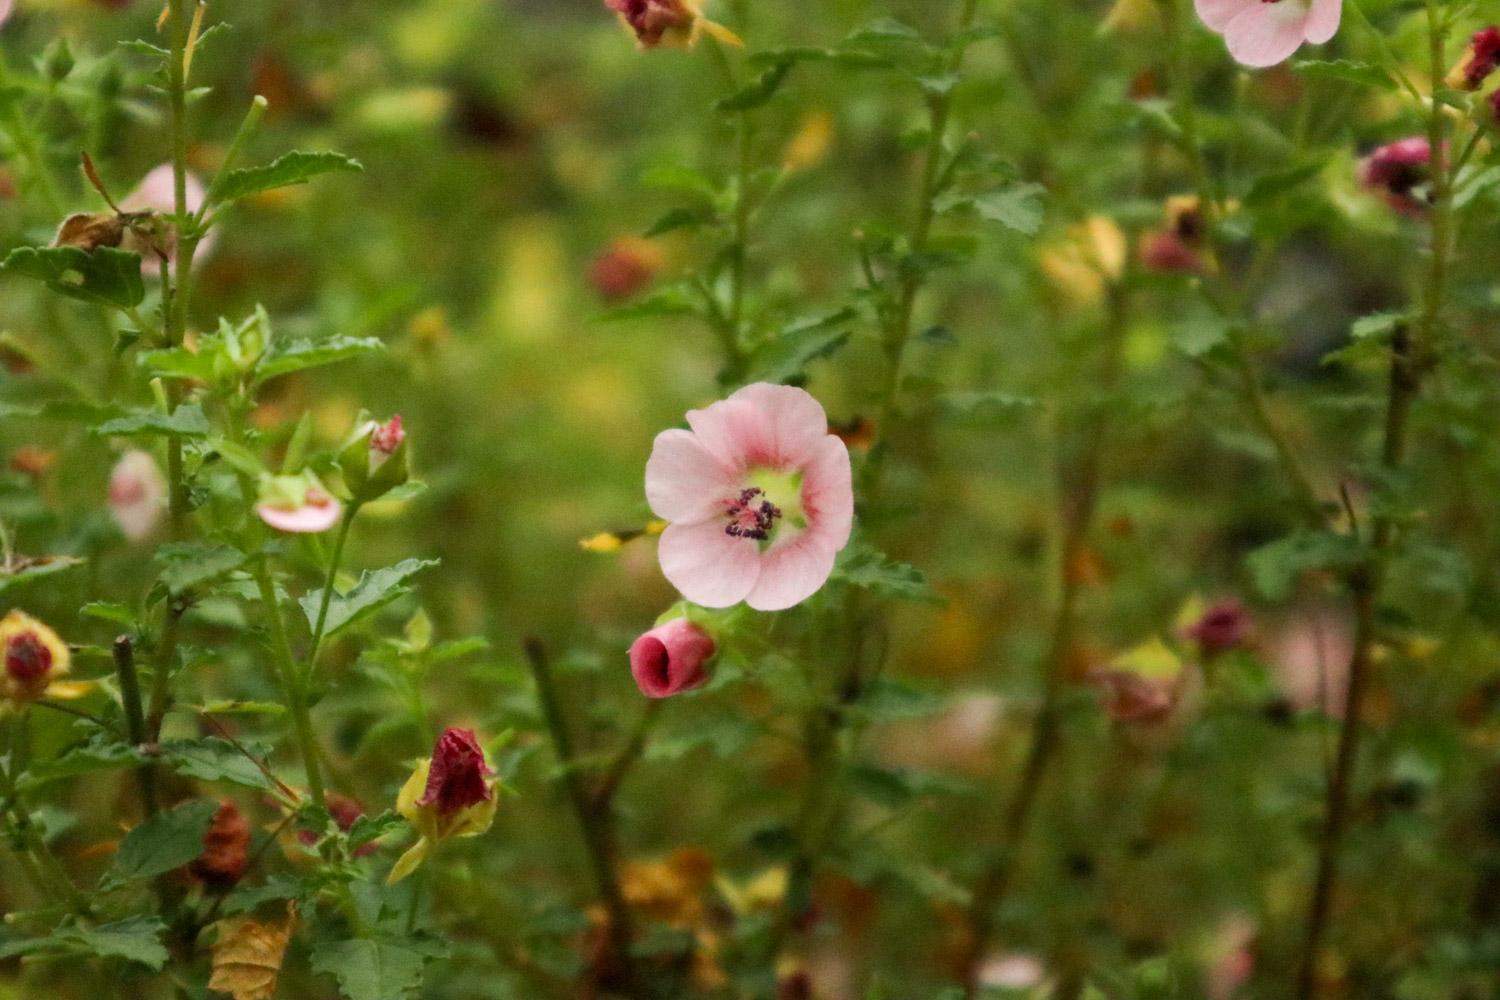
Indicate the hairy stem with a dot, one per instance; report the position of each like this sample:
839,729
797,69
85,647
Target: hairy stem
334,562
596,823
135,718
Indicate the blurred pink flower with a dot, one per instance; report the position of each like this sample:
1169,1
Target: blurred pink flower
1221,628
1309,655
760,497
4,10
1401,171
1265,32
137,494
297,504
157,192
1231,960
669,659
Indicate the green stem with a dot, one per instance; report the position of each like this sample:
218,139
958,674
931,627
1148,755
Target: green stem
51,877
135,718
291,681
596,823
242,139
333,571
1409,359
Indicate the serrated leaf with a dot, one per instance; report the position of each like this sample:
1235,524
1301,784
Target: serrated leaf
186,421
137,939
104,276
215,760
186,565
375,589
166,841
860,565
93,758
799,344
1363,73
1276,567
1016,207
369,969
283,359
296,167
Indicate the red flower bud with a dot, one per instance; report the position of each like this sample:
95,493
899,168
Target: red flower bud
387,437
1402,171
670,658
1222,627
32,655
1479,61
456,779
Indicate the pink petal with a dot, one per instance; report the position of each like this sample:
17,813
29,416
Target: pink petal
307,519
1323,21
684,480
1267,33
828,492
737,432
670,658
791,573
709,567
798,423
1217,14
4,10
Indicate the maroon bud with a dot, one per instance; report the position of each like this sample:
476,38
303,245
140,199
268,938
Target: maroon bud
1221,628
456,777
1479,61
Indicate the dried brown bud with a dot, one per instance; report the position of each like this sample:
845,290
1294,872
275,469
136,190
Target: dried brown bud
90,230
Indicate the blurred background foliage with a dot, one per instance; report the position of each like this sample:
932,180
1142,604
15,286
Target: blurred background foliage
515,151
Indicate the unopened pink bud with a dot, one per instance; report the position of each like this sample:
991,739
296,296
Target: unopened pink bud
670,658
387,437
456,779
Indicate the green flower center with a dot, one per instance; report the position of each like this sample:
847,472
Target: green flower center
769,504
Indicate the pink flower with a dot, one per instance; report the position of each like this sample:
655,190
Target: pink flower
297,504
137,494
1265,32
760,497
157,192
4,10
669,659
1402,171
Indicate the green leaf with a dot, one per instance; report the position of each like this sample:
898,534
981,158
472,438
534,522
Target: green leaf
370,969
1379,325
296,167
178,362
726,735
165,841
887,698
105,276
283,359
1353,71
137,939
94,758
375,589
213,759
885,29
758,91
1268,187
860,565
801,343
186,565
976,404
1276,567
110,611
68,410
1016,207
897,787
24,570
681,217
185,421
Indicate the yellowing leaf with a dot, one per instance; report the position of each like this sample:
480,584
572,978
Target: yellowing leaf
1151,660
248,956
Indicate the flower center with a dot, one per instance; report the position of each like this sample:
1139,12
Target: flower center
750,514
27,658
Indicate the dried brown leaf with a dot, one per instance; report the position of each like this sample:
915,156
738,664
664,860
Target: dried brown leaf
248,955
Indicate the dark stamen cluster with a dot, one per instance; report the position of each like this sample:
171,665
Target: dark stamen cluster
747,519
